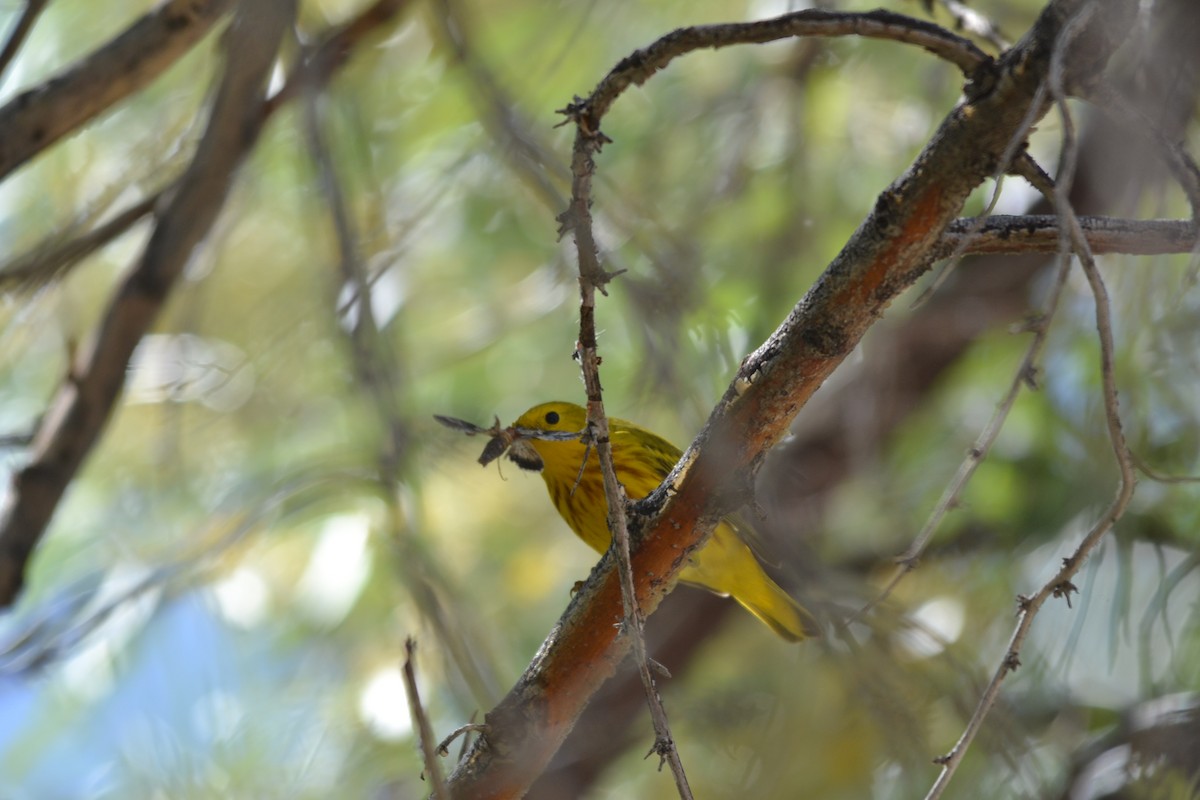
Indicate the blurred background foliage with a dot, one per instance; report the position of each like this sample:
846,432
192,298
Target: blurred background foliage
220,606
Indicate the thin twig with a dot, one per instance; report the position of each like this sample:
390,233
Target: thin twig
1025,376
592,276
1060,584
443,748
433,767
13,440
49,262
1014,153
1161,477
1026,167
322,60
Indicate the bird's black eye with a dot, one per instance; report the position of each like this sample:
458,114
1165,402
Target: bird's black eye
552,417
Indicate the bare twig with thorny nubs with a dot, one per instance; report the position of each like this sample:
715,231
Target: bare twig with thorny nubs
1060,584
592,277
577,219
429,751
641,65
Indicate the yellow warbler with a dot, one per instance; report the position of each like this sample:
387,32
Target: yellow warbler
724,565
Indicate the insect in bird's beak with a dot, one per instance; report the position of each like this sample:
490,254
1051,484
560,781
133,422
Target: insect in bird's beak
511,439
499,441
469,428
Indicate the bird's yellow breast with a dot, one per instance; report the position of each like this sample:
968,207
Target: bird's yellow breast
579,495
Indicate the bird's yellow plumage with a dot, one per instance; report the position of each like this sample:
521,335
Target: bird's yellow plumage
642,459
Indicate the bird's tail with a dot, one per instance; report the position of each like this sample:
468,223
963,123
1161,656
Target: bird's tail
778,610
726,565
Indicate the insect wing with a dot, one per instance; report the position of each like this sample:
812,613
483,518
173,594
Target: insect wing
469,428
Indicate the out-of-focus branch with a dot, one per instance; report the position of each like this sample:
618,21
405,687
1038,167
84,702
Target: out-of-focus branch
33,10
51,259
1182,166
372,358
1150,752
375,368
39,117
886,254
81,409
323,60
65,622
532,161
1000,234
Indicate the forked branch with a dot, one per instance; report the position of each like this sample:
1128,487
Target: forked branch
892,247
